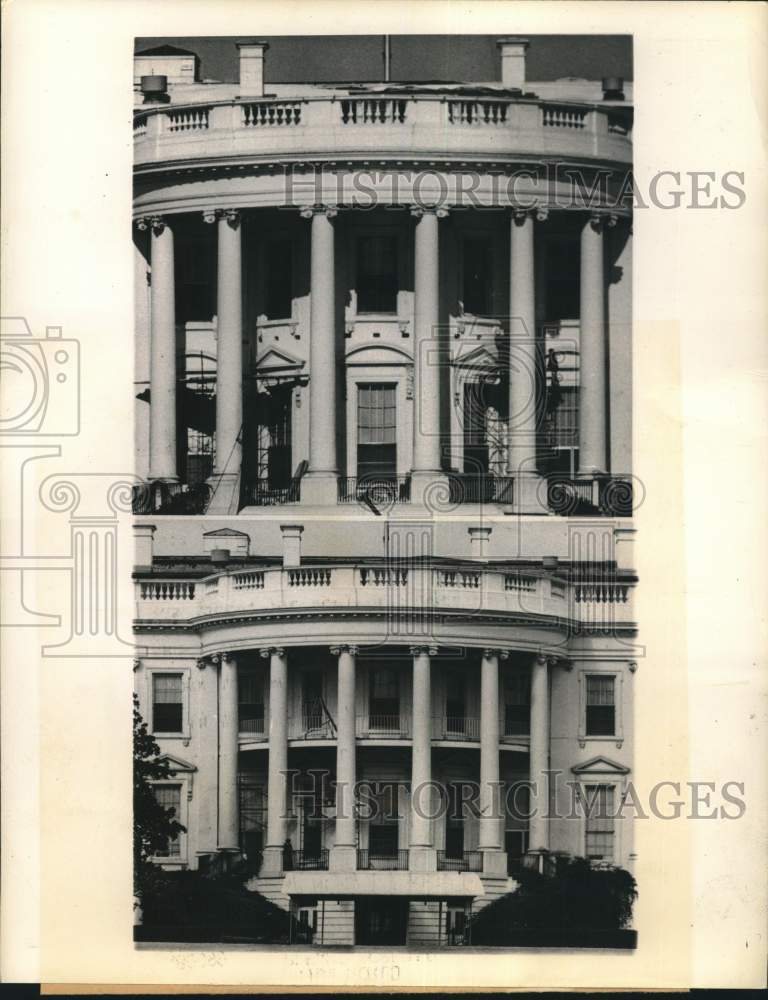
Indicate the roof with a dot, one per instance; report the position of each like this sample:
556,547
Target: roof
166,50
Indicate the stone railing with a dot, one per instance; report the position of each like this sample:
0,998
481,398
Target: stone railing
380,124
433,589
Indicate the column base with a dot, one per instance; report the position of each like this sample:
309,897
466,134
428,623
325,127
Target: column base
272,862
535,860
529,495
342,858
319,489
495,862
422,859
225,493
431,489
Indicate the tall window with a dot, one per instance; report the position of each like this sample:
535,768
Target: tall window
562,278
196,299
167,703
250,697
454,824
455,702
477,277
312,699
601,705
517,703
564,420
376,430
377,277
600,823
384,697
279,280
169,797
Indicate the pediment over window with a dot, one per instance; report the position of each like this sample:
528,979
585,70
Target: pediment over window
176,764
600,765
274,362
478,359
379,354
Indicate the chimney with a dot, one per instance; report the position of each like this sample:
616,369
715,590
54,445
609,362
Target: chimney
613,88
513,62
291,544
252,68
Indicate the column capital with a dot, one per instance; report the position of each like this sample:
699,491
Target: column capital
344,647
201,663
329,211
137,664
599,221
424,650
560,661
232,216
501,654
541,659
538,211
418,211
228,658
267,651
632,664
156,223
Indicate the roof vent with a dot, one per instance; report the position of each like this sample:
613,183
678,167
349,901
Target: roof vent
220,556
155,89
613,88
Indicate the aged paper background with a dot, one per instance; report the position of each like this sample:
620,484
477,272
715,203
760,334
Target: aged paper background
700,435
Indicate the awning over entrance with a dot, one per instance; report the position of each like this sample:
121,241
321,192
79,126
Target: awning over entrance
429,884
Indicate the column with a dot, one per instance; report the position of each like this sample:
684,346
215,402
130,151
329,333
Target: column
427,459
538,831
320,484
593,442
422,855
490,842
162,412
344,853
524,386
229,362
228,747
278,761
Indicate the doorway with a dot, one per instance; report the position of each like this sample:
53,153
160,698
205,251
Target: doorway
381,920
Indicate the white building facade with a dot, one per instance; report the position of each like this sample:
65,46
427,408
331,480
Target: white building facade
384,560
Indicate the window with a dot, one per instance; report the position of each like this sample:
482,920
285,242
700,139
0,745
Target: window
279,280
377,277
167,703
196,299
376,431
455,705
454,824
601,705
384,698
562,279
456,924
383,839
600,823
169,797
250,697
564,416
312,699
477,277
517,703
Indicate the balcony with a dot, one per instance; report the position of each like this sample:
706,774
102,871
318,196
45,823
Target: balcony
480,489
252,728
382,491
375,124
382,727
567,604
306,861
170,498
467,861
603,496
453,727
397,861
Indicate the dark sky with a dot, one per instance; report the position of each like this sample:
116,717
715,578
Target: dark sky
293,59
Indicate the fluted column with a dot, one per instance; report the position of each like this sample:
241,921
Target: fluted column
593,431
162,411
344,853
228,748
538,831
229,362
320,484
422,854
427,459
278,761
490,842
524,388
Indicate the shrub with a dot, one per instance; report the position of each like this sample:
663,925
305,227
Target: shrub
578,897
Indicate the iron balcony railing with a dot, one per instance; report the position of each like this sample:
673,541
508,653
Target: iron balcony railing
306,860
380,490
170,498
252,727
609,496
396,861
455,727
262,494
476,488
467,861
382,727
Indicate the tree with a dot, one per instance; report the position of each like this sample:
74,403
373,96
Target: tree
153,824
